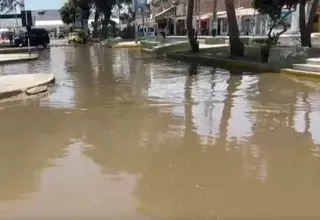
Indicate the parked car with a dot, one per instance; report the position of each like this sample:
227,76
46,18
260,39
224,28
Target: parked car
38,36
61,36
77,36
74,37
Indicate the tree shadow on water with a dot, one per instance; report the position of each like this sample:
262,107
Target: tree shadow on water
236,72
193,69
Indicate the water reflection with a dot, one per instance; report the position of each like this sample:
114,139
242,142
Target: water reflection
28,145
123,136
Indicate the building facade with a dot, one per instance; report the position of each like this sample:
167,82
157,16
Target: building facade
171,16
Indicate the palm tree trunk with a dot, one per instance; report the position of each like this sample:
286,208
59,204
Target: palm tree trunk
193,43
236,46
306,28
105,23
95,23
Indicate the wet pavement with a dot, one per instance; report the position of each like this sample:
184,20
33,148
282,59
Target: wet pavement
126,136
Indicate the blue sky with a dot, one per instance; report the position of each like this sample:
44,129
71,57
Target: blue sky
43,4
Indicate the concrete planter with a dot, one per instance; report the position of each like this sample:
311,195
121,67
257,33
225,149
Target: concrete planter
111,41
286,56
171,48
149,44
161,49
315,40
215,40
253,52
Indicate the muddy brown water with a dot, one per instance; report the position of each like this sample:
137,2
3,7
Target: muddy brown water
125,136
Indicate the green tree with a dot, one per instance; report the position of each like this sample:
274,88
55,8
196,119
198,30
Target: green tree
85,7
9,5
68,13
72,8
273,8
105,8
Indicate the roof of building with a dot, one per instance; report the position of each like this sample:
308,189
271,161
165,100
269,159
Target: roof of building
50,15
46,15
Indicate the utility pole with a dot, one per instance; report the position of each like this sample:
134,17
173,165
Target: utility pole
15,11
200,28
214,19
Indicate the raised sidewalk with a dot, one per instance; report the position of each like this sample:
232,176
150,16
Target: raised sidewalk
24,84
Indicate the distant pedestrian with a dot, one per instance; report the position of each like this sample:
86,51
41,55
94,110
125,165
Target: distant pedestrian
11,38
163,33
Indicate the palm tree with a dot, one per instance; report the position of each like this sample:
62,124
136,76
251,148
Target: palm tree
306,27
236,46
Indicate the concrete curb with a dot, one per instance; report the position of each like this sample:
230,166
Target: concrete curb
147,50
117,46
18,58
16,50
61,45
225,63
21,90
70,45
300,73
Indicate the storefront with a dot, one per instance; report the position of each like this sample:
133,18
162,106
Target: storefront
165,20
250,22
180,20
203,24
180,27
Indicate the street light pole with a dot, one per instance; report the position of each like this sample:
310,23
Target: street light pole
15,10
199,15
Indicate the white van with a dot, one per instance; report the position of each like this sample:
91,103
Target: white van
147,31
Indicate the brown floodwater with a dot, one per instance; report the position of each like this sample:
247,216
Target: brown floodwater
127,136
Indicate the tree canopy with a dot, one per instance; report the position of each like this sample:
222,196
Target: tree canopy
273,8
72,8
9,5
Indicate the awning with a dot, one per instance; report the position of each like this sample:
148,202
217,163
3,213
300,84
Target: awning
163,13
242,12
204,16
247,11
151,21
220,14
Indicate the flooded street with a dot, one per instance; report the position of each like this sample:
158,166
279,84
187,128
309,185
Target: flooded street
126,136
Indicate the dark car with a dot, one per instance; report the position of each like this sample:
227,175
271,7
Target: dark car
38,37
61,36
